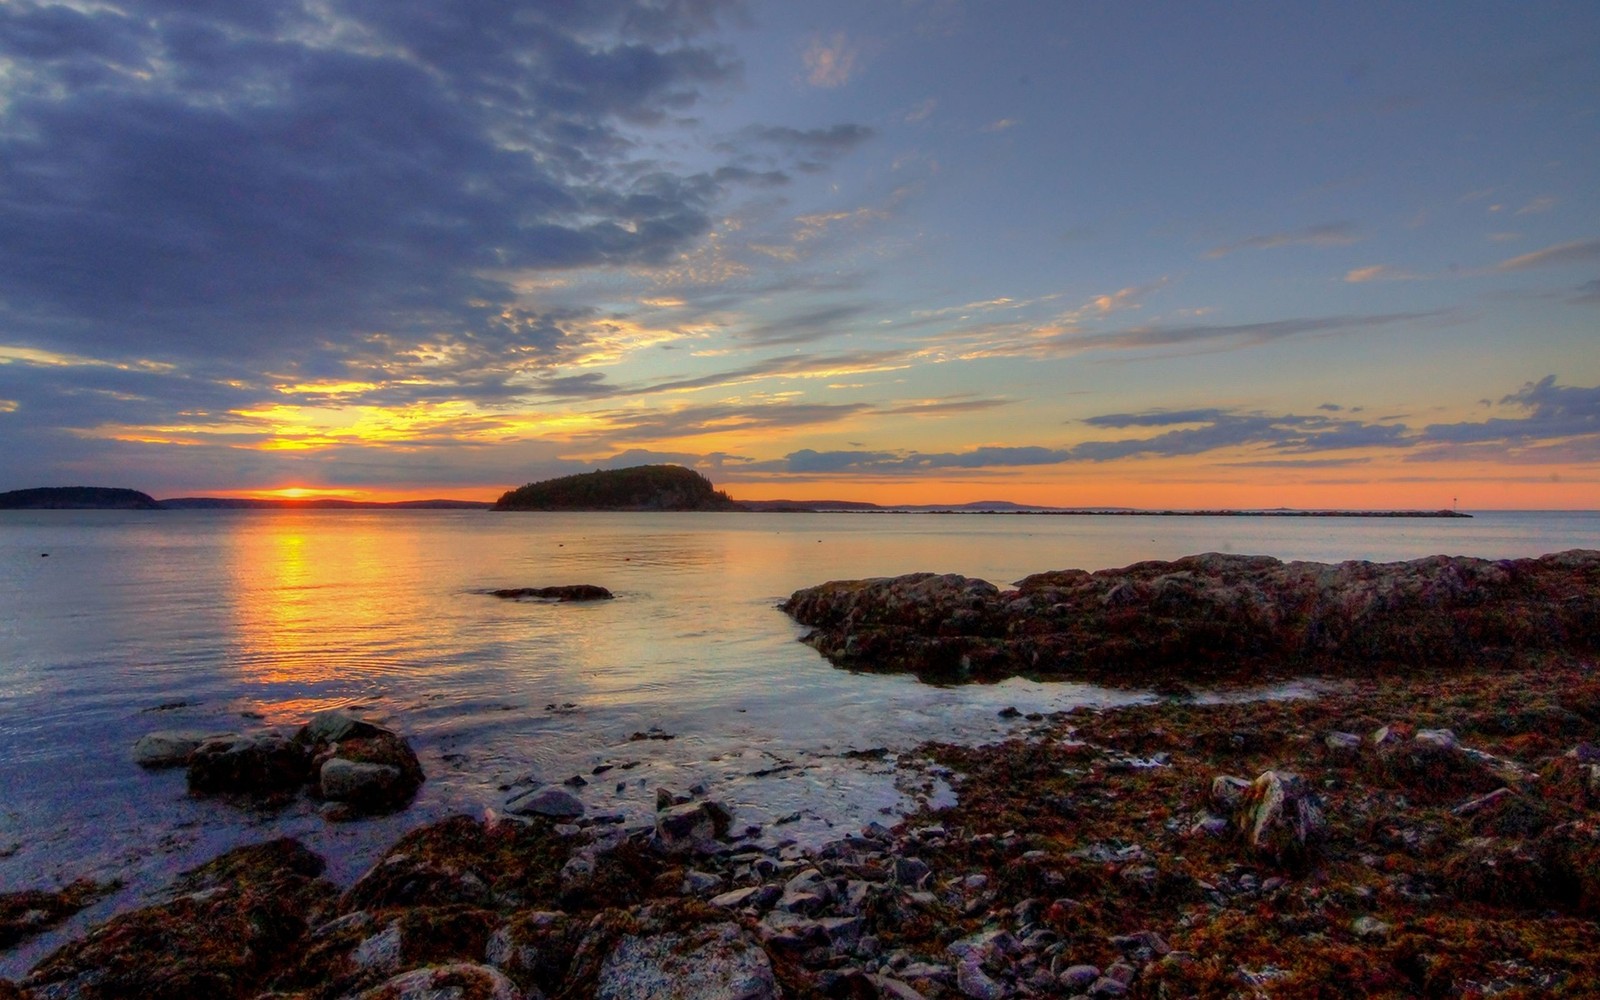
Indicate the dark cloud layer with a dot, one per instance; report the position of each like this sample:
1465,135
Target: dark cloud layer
260,181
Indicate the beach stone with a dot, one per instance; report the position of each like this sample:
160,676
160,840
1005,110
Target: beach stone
1228,792
692,826
713,962
1342,745
1078,977
255,765
172,747
973,982
1280,817
890,988
455,981
556,803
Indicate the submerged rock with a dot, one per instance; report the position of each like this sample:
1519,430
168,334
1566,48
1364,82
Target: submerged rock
569,592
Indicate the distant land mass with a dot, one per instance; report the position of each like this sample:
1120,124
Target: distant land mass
317,503
78,498
640,488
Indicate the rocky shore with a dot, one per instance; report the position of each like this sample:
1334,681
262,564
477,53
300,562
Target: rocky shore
1426,832
1211,617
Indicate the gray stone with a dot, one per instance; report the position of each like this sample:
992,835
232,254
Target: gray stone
333,725
557,803
1227,791
1342,744
890,988
973,982
258,764
716,963
1078,977
1369,928
684,828
1280,818
348,780
172,747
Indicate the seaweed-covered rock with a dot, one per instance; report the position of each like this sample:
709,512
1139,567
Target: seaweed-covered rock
1212,616
455,981
258,765
29,911
560,594
1279,816
376,773
216,937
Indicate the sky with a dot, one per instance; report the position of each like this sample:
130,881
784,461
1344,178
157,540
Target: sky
1064,253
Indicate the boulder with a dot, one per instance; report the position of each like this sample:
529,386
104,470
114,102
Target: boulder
374,772
455,981
712,962
28,912
172,747
1279,817
332,725
258,765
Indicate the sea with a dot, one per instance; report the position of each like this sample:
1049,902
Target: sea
114,624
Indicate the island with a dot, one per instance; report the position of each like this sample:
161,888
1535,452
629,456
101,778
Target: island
78,498
640,488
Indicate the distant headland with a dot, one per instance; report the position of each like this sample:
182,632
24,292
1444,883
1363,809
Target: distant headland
642,488
78,498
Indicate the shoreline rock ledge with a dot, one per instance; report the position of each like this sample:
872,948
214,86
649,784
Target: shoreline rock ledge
1211,618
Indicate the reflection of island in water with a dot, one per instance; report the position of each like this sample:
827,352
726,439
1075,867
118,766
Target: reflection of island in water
640,488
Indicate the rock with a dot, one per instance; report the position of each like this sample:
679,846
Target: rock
556,803
1573,779
456,981
332,725
31,911
1342,745
563,594
1280,817
1369,928
713,962
692,826
370,769
890,988
1078,978
973,982
216,937
172,747
1210,616
536,946
264,764
1228,791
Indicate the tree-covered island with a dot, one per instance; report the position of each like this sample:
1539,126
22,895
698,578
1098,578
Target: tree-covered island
641,488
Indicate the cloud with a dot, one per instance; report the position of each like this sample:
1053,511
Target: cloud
1577,252
801,328
1588,293
1219,336
213,179
1379,272
831,61
814,143
1537,206
1549,412
943,407
1332,234
922,111
1000,125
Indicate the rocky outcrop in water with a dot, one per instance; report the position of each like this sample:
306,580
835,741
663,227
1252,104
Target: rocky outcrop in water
567,592
356,767
1211,617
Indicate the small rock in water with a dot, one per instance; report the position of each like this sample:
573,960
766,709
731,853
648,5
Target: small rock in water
171,747
554,802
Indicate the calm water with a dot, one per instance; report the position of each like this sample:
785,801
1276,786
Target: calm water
231,620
